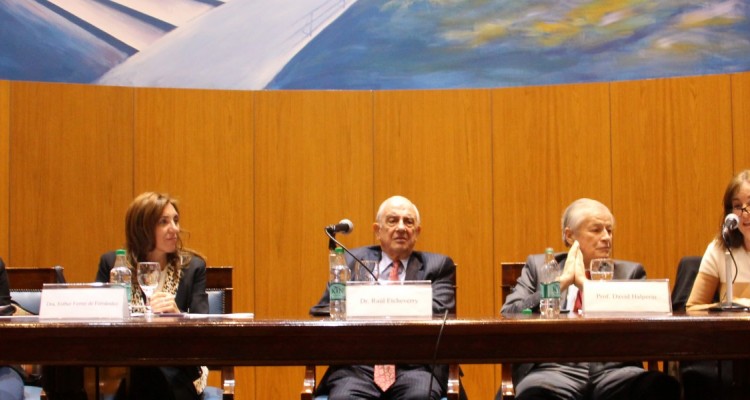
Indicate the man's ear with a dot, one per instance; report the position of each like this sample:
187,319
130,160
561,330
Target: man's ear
568,237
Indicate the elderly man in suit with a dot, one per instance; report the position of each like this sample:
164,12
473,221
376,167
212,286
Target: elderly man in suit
396,228
587,227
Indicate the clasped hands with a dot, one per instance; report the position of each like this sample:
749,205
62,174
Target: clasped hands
574,272
163,302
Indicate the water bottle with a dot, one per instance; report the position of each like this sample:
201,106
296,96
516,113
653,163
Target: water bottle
339,275
121,274
549,279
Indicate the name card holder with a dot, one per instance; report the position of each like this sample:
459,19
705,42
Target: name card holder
626,296
83,301
389,299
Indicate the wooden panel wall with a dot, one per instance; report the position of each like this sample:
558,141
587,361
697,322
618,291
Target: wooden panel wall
434,147
197,145
4,168
551,146
313,167
71,174
672,158
259,175
741,121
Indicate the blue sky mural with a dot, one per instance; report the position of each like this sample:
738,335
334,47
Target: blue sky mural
368,44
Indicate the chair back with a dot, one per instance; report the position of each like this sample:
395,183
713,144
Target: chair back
219,289
687,270
26,285
509,272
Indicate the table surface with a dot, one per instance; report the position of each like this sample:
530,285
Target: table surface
247,341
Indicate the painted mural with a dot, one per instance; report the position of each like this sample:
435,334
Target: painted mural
368,44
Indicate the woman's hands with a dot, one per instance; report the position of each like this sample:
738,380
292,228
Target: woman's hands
163,302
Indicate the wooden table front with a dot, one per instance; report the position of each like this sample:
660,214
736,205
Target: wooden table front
268,342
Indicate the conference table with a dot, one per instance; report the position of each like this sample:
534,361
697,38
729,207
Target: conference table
228,340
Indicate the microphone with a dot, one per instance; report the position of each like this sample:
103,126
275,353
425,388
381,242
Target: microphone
730,223
344,226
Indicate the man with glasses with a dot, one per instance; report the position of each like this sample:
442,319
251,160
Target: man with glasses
397,227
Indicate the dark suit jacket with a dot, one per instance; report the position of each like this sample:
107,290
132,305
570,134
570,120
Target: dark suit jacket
525,294
191,292
5,306
433,267
422,266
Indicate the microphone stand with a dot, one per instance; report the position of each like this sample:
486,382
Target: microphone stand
332,242
728,304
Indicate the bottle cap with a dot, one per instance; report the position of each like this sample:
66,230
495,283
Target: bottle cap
120,252
339,250
549,250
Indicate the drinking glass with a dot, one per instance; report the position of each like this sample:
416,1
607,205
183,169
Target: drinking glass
602,269
148,279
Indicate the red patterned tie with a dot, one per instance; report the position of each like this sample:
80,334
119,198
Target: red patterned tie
385,375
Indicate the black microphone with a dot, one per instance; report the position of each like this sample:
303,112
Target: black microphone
730,223
344,226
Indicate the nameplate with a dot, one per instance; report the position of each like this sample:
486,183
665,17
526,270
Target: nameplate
395,300
626,296
84,301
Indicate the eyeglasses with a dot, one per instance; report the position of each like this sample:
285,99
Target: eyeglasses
739,209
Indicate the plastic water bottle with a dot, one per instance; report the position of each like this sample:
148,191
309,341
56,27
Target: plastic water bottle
339,275
121,274
549,279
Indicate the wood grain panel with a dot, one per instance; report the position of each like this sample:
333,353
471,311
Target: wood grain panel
71,174
313,167
741,121
672,158
197,145
551,146
434,147
4,168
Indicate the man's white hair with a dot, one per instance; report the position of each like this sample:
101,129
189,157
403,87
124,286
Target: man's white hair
577,212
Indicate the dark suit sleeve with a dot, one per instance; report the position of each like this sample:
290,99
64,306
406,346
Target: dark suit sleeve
443,286
322,309
5,308
524,294
629,270
191,294
106,262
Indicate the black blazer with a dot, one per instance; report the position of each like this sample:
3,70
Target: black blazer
5,306
191,294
